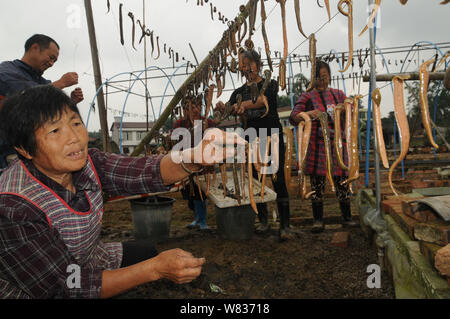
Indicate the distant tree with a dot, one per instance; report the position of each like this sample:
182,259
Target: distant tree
283,100
443,106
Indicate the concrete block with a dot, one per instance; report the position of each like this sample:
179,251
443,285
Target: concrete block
429,250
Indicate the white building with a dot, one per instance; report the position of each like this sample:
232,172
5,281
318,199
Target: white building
132,134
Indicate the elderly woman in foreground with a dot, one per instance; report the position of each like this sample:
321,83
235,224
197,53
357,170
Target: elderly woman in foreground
51,205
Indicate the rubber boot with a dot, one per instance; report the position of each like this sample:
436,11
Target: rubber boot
318,224
264,226
346,215
194,224
285,230
200,208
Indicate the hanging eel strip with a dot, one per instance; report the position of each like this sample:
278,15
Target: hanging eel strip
108,5
197,181
337,136
242,165
157,45
223,174
348,127
219,85
250,179
297,15
242,21
253,7
285,46
424,78
312,59
372,16
304,134
402,123
209,97
145,32
301,175
264,34
237,191
376,98
327,5
352,144
267,79
258,161
265,164
349,15
254,92
133,26
447,79
121,24
288,156
327,145
443,60
152,43
208,182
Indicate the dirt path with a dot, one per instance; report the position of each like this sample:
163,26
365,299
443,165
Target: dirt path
262,267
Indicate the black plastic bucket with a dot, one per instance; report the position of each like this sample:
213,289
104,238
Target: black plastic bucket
151,217
235,223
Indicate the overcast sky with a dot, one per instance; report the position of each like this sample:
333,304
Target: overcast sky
180,22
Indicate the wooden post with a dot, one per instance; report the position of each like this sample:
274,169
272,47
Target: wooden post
97,75
179,95
413,76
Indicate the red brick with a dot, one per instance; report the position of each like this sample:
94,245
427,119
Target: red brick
340,239
404,222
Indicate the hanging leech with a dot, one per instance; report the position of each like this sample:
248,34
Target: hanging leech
376,98
250,179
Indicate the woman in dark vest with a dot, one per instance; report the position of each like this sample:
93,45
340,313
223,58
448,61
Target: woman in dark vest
51,205
270,123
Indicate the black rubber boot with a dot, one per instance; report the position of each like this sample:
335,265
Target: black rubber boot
318,224
347,215
264,226
285,232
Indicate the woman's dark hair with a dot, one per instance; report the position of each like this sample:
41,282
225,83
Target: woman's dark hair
321,64
253,56
25,112
41,39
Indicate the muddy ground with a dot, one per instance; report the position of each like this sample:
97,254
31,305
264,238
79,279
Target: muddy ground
262,267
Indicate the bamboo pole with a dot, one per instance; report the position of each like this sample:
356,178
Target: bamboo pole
97,75
179,94
413,76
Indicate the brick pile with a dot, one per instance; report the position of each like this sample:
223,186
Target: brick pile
422,224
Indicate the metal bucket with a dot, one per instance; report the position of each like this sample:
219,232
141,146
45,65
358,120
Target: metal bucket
151,217
236,222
